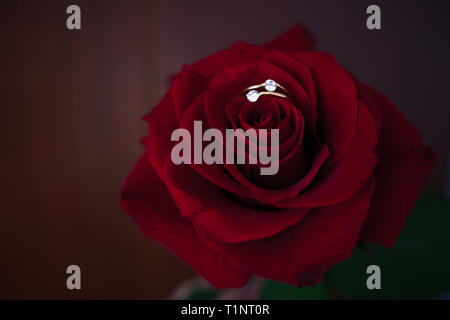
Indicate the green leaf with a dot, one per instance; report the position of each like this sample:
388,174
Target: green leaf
280,291
417,267
202,294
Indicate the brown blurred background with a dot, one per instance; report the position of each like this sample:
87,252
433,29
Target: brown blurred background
72,102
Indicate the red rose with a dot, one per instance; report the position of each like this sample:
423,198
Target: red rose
351,167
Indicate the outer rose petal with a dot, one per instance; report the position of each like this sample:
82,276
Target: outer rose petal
349,174
295,39
401,174
302,254
161,123
187,86
337,102
145,198
217,214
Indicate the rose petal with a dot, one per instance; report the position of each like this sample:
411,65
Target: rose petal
303,253
220,215
306,99
349,174
214,173
238,110
337,102
145,198
275,197
161,123
401,174
187,86
292,164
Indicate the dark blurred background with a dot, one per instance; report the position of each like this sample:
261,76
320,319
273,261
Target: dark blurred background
72,102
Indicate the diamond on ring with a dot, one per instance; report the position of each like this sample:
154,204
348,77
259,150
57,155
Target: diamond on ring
270,85
252,95
271,88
